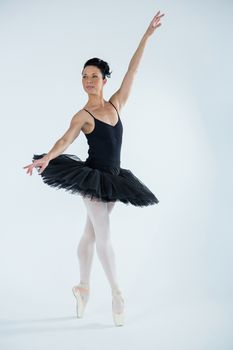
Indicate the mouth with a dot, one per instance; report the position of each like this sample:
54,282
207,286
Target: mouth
89,87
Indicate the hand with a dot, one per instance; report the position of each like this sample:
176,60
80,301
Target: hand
154,24
38,163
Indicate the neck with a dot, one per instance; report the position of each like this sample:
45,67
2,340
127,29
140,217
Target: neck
95,101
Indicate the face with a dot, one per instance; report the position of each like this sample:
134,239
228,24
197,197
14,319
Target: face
92,80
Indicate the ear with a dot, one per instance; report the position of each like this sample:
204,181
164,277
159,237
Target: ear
105,81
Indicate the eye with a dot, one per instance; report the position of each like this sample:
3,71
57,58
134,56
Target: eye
94,76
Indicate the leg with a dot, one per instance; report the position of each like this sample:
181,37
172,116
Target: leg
99,215
110,206
85,252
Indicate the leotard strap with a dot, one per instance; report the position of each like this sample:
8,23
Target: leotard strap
115,108
89,113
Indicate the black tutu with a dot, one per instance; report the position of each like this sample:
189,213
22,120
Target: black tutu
96,181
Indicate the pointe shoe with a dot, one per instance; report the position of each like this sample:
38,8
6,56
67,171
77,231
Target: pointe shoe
118,318
81,300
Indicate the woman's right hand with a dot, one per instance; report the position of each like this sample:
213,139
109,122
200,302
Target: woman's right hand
41,163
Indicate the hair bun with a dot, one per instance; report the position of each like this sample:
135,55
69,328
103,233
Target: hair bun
101,64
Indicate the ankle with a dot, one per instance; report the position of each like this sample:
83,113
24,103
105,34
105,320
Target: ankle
83,285
116,292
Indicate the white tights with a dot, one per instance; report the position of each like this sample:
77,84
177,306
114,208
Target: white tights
97,230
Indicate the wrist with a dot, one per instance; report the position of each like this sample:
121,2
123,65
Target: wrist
145,36
48,157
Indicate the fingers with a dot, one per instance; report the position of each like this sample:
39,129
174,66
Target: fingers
156,20
43,165
156,14
30,170
157,17
40,164
30,167
156,24
26,166
42,169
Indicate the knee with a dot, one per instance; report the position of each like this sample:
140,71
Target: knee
85,245
102,241
89,234
88,238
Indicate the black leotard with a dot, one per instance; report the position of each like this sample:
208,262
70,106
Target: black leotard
105,142
100,176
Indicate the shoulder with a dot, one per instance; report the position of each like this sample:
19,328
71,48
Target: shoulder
116,101
82,119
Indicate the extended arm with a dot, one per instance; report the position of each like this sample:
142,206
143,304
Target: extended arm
121,95
60,146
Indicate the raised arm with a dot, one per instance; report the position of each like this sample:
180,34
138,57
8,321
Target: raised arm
121,95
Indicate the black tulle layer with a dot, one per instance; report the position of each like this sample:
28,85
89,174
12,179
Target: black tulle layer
107,184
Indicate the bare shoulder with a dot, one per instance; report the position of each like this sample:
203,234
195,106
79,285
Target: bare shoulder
83,119
79,116
116,101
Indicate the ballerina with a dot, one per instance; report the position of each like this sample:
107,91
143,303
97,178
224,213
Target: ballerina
100,179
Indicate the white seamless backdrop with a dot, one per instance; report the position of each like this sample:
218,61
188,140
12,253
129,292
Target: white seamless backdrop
174,259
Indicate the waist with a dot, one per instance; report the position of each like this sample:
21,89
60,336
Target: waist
110,166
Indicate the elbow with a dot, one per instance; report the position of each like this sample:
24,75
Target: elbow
64,142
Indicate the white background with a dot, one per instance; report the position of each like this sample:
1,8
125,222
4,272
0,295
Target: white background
174,259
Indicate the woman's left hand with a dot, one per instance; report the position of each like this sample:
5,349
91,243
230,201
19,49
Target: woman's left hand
154,24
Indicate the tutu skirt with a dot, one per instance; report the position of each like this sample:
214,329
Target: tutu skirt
96,180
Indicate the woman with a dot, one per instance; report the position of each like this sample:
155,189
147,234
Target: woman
100,179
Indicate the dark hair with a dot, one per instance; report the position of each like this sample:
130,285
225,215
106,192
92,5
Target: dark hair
102,65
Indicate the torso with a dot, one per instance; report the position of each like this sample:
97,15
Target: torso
104,136
106,114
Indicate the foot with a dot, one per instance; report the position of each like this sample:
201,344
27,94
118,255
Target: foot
81,293
118,307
